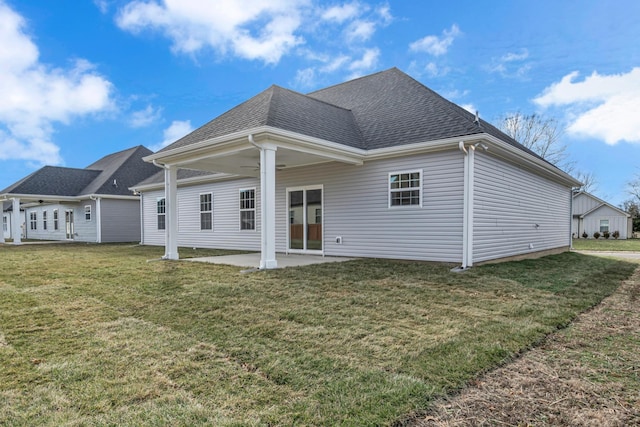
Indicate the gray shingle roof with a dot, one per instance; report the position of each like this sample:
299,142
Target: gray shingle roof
126,167
381,110
284,109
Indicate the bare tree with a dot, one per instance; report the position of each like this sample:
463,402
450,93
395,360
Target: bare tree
633,187
539,134
588,179
631,206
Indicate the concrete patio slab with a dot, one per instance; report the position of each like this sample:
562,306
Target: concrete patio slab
252,260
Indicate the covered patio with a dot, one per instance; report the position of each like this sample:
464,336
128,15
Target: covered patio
250,260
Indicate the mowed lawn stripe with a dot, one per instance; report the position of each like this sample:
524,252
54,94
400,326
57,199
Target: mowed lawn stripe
95,334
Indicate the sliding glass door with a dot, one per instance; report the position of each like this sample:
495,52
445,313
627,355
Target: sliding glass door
305,219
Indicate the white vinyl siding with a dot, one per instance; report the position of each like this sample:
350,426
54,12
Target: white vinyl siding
516,211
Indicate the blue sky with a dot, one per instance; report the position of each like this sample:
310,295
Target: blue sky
80,79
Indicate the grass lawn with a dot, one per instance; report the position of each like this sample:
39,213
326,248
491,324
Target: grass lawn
607,245
96,335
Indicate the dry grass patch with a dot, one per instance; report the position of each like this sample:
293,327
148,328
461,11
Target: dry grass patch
585,375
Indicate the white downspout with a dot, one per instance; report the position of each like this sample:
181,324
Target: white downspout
468,206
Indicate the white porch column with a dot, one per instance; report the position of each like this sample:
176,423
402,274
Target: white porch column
171,205
98,220
2,231
16,222
268,206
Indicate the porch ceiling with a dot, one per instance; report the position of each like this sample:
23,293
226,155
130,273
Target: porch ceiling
246,162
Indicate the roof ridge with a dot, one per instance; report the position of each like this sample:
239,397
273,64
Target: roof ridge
354,80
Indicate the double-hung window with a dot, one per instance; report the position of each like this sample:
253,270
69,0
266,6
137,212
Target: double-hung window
44,220
206,211
33,220
55,219
604,226
87,212
248,209
405,188
161,211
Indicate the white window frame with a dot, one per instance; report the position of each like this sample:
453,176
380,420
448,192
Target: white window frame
602,221
162,214
209,211
87,212
55,219
44,220
5,223
33,220
419,188
241,209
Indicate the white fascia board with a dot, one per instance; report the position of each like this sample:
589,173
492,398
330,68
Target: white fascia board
107,196
38,197
420,147
235,142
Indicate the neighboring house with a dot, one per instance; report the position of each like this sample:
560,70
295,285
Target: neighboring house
590,214
93,204
380,166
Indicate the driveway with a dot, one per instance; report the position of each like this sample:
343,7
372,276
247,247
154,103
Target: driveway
625,255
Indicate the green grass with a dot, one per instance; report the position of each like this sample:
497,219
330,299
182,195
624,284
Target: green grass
607,245
96,335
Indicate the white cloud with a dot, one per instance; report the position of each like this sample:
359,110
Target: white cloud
469,107
435,45
36,96
102,5
601,106
511,64
252,29
360,30
368,61
174,132
342,13
144,117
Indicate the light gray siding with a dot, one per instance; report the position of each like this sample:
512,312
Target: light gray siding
226,233
516,211
85,230
60,234
151,235
356,208
120,220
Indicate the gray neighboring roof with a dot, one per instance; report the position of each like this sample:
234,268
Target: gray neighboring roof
384,109
54,181
126,167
